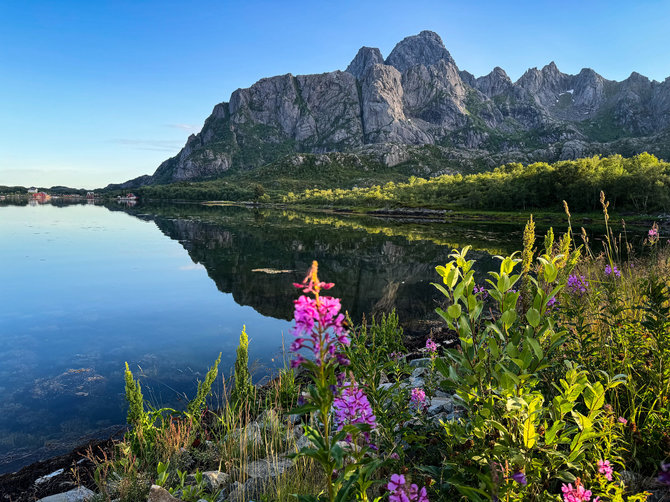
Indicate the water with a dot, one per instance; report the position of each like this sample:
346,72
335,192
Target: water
86,288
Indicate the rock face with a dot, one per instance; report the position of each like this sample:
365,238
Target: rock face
418,96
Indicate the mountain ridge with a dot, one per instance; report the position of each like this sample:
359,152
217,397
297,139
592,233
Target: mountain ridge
419,97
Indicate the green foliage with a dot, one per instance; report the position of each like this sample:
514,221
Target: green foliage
517,418
195,407
641,183
134,398
243,389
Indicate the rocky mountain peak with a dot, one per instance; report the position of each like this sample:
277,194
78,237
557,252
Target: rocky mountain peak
495,83
419,97
551,68
365,58
426,48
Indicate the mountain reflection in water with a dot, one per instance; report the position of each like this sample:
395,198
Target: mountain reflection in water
377,264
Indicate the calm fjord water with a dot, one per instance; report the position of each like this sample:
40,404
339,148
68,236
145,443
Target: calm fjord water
166,288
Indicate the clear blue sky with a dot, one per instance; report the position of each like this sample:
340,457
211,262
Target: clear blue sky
94,92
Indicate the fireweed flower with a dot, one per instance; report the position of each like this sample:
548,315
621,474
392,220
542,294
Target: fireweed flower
576,494
431,347
577,284
352,407
520,478
319,325
418,399
612,270
653,234
401,493
605,468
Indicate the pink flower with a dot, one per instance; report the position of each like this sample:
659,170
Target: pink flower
622,420
431,346
576,494
400,492
418,399
605,468
319,325
352,407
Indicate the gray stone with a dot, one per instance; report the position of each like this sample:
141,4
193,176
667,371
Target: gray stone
215,480
426,49
80,494
422,362
366,57
419,372
416,382
266,468
160,494
440,405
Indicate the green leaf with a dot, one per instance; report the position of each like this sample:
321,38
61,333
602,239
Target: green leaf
441,289
550,434
529,433
508,318
454,311
594,397
533,317
535,345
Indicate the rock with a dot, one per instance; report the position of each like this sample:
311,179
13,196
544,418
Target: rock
47,477
267,469
215,480
418,97
423,362
366,57
440,405
251,433
416,382
302,442
80,494
426,49
419,372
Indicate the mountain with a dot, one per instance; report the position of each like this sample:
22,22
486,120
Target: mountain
418,104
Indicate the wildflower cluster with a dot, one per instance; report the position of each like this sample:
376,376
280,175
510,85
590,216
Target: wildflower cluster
577,493
605,469
418,399
481,292
319,325
577,284
609,270
352,407
400,492
431,347
653,236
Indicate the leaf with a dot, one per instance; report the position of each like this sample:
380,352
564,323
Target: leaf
529,433
454,311
441,289
550,272
550,434
535,345
594,397
533,317
508,318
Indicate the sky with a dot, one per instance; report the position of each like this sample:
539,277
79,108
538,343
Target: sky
98,92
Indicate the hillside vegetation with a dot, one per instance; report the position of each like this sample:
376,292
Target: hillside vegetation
640,183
